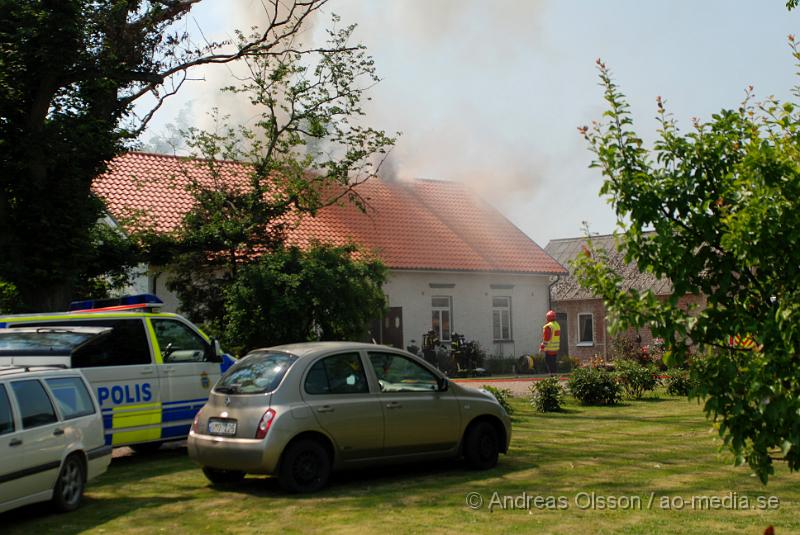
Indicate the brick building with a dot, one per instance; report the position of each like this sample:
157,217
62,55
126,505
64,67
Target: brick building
582,315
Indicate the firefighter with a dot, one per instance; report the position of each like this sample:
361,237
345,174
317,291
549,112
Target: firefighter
551,341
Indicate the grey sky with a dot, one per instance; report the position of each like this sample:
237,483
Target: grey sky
490,92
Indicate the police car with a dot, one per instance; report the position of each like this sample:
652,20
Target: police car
151,371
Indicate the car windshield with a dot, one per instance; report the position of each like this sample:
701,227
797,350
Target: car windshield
45,342
256,373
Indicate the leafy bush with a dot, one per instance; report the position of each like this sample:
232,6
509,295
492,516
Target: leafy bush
593,386
547,395
501,395
635,378
678,382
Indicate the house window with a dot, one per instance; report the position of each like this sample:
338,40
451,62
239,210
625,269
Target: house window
585,330
442,312
501,318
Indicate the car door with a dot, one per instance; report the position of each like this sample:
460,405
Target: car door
42,440
417,417
12,464
121,369
336,389
188,370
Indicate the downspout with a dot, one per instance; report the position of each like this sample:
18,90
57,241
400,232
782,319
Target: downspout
550,293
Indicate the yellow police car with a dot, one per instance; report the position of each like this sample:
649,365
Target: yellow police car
151,371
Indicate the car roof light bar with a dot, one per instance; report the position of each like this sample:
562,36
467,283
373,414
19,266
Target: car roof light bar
126,302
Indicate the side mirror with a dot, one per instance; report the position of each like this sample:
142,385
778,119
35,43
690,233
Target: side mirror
442,384
215,353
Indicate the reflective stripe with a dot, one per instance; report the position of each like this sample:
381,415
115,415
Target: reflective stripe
135,423
68,316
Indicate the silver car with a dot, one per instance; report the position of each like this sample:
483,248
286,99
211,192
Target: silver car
51,437
300,411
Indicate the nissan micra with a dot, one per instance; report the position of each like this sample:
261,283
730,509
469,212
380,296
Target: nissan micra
301,411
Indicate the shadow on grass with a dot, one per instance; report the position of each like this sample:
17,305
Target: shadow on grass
386,479
93,512
137,466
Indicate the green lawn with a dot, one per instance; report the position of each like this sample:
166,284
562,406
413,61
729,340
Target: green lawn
662,448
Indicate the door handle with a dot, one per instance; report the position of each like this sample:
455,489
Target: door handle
58,432
393,405
147,372
15,442
325,408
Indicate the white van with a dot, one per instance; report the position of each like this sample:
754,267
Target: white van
151,371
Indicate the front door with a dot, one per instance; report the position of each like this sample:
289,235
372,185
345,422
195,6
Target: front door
393,328
418,418
186,374
563,348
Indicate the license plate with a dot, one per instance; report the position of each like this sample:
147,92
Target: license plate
221,427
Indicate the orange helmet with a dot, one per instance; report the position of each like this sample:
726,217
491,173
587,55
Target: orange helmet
551,315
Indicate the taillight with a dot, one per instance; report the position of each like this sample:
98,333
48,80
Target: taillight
264,423
194,423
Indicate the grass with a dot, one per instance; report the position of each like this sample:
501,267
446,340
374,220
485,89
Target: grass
659,446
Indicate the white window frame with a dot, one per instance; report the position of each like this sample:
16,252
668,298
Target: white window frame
443,337
499,311
585,343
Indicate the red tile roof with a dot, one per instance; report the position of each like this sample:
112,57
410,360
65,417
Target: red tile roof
421,224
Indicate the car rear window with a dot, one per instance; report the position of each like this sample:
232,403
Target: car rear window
256,373
126,344
41,343
72,397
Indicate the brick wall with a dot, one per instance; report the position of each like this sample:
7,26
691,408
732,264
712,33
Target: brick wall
573,308
585,306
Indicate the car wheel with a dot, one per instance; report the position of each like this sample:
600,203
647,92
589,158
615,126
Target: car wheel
481,446
146,448
305,467
222,477
70,484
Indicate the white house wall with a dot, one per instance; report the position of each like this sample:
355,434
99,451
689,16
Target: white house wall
472,305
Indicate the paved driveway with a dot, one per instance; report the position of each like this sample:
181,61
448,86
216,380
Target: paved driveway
518,385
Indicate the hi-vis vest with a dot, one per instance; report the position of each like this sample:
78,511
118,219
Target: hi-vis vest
742,342
554,343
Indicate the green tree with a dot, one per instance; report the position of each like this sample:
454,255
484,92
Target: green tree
70,74
294,295
722,203
306,149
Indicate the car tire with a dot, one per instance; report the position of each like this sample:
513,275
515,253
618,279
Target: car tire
146,448
305,467
481,446
70,484
222,477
